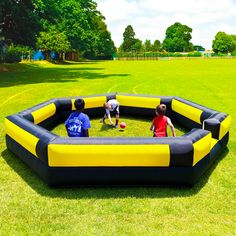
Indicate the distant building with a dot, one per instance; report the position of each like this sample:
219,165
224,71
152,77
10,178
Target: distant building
208,53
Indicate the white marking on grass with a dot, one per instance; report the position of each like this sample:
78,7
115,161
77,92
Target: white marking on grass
13,96
110,89
135,87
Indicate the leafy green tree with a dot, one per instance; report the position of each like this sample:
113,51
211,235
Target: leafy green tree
178,38
156,47
147,46
102,45
223,43
198,48
53,40
234,40
12,54
18,22
128,39
137,46
81,22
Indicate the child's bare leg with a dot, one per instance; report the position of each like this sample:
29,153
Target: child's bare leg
117,119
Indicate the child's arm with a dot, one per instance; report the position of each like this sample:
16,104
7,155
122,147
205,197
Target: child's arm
152,126
86,133
103,118
109,118
171,126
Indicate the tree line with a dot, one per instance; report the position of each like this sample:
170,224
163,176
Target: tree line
77,26
177,39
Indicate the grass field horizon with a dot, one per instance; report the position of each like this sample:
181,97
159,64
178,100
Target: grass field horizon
29,207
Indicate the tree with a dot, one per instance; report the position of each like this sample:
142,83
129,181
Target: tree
156,46
18,22
234,41
81,22
103,46
147,46
52,40
223,43
137,46
178,38
128,39
198,48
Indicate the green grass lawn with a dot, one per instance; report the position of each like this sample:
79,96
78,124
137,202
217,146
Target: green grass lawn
135,127
29,207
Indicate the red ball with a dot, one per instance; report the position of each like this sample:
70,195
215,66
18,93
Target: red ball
122,125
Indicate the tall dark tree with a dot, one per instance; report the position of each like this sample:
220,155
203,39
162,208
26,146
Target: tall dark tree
156,47
18,22
128,39
178,38
147,46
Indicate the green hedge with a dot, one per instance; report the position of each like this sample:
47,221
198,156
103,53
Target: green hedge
157,54
14,53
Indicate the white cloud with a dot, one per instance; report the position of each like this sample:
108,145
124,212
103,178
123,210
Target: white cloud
186,6
118,10
150,18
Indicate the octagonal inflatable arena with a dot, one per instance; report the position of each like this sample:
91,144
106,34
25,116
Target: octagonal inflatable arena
63,161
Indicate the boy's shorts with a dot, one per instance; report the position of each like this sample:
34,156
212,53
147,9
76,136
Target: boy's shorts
116,111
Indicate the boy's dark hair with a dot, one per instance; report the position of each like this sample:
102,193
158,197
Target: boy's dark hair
161,109
79,104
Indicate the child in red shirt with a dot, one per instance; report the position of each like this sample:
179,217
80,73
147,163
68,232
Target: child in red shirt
160,122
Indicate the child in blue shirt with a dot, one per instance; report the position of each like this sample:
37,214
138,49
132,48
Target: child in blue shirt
78,123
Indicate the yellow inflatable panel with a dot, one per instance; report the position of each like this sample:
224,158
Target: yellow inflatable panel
133,101
224,126
186,110
213,142
24,138
44,113
93,102
108,155
201,148
73,104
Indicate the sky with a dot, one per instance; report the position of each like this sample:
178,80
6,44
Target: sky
151,18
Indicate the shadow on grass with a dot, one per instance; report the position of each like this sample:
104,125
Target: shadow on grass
106,127
82,62
181,128
106,192
34,73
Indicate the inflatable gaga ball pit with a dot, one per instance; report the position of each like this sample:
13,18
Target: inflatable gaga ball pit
113,161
